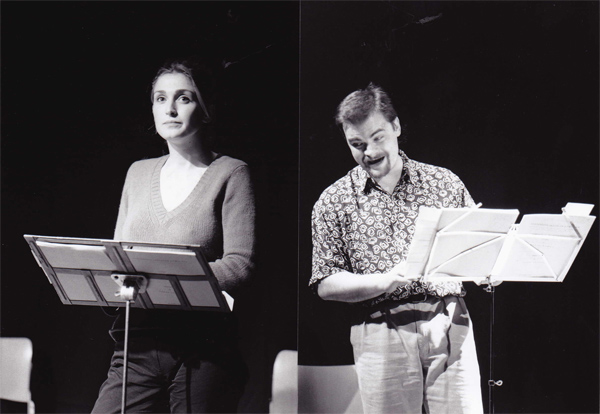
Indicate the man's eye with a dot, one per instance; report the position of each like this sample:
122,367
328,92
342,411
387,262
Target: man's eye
358,145
379,138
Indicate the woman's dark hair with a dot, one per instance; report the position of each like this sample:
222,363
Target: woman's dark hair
202,77
357,106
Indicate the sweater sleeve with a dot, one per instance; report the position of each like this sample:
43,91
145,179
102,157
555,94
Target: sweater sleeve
239,244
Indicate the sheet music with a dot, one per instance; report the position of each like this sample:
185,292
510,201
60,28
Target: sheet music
441,235
473,244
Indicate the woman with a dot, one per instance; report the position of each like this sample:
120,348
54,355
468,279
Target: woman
184,361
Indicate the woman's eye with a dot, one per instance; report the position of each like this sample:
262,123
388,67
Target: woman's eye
159,99
185,99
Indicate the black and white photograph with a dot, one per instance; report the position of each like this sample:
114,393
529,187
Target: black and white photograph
300,207
97,97
504,95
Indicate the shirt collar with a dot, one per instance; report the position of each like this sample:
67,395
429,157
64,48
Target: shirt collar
366,183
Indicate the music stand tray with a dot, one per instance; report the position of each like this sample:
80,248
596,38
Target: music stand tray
166,276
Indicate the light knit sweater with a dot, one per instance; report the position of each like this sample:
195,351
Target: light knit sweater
218,215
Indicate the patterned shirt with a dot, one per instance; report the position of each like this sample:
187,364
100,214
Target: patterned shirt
360,228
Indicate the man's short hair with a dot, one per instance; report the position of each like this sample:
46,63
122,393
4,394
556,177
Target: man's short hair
360,104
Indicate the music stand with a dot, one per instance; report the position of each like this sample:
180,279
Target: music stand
486,246
148,275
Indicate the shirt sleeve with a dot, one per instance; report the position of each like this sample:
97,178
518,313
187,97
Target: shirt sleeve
467,199
238,221
329,255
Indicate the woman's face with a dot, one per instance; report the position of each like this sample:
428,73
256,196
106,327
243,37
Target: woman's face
177,112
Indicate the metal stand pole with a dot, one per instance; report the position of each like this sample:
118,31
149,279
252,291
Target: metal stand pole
125,362
131,285
491,382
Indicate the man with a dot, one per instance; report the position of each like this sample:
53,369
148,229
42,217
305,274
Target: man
413,345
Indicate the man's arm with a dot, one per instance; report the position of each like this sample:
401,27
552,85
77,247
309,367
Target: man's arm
350,287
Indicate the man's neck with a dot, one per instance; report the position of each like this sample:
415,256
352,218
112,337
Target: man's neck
391,179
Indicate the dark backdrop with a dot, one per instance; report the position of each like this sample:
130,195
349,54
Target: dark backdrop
505,95
76,113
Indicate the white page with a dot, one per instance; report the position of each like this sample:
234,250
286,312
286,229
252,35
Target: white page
525,263
474,264
546,225
422,241
478,219
556,250
578,209
76,256
451,244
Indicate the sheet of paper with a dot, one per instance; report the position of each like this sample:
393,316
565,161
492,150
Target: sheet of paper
434,222
76,256
475,263
578,209
451,244
422,241
555,225
556,250
478,219
229,299
165,261
525,263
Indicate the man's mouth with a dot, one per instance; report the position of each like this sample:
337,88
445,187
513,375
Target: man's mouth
374,162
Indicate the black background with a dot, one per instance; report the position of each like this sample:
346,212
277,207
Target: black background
505,94
76,113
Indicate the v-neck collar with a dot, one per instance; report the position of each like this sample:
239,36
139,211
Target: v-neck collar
157,203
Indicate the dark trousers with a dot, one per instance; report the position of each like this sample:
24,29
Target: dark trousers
176,376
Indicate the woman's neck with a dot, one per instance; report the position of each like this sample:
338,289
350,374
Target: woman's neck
188,153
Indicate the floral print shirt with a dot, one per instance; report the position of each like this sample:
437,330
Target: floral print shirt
360,228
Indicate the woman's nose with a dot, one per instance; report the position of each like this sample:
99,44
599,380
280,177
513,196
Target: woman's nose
171,110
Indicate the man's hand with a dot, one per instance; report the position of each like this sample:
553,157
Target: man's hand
395,278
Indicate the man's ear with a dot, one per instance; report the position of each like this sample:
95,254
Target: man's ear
397,127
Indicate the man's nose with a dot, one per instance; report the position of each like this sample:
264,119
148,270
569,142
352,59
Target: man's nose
369,150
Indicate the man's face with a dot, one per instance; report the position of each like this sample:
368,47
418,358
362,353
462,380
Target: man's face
374,144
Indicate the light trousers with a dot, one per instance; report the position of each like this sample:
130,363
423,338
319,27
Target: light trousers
418,357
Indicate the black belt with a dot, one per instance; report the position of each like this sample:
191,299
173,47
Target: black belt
378,310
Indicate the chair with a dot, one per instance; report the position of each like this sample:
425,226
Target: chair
313,389
328,389
284,391
15,371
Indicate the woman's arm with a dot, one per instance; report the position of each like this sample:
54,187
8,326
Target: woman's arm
238,218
